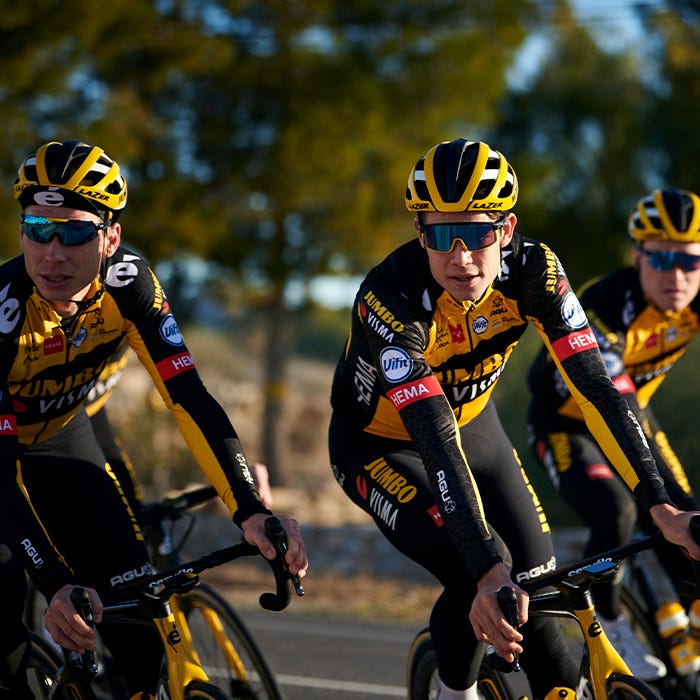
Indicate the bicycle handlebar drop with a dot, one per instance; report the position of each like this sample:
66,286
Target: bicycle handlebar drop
183,577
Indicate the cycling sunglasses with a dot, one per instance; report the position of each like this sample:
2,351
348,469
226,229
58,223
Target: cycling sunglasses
474,235
665,260
70,232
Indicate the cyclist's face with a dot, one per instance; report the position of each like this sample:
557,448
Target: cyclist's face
466,274
671,290
64,274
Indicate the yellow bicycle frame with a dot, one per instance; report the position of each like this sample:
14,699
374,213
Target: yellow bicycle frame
603,658
217,631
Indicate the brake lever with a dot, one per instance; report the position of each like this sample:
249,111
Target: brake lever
279,600
81,601
691,589
508,602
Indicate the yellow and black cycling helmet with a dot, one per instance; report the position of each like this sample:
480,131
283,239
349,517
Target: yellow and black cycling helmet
462,175
666,215
72,174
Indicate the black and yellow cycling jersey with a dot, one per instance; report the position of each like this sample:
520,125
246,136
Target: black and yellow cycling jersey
108,379
418,364
48,366
639,344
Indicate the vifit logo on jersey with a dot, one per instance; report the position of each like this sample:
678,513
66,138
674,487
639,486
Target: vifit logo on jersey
170,332
572,312
395,364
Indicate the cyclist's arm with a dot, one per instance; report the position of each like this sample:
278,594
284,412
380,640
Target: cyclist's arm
564,328
153,334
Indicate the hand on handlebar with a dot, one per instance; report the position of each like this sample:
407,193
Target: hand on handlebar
66,627
675,527
487,618
295,557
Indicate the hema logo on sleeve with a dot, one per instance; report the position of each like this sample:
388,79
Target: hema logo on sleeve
395,363
170,331
572,312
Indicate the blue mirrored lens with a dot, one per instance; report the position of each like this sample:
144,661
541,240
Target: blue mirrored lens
70,232
475,235
665,260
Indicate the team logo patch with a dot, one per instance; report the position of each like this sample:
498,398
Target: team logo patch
169,331
395,363
480,324
572,312
49,198
53,344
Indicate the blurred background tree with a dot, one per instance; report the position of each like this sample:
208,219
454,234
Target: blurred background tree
267,142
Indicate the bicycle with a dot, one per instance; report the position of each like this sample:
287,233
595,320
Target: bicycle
149,601
42,666
602,672
640,601
225,647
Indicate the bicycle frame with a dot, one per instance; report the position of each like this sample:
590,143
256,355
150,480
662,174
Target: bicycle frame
573,600
180,666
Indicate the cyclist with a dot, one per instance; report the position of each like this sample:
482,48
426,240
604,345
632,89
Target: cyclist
414,437
69,302
643,317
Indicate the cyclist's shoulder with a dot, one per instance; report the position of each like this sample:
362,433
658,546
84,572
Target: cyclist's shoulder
13,272
131,280
401,285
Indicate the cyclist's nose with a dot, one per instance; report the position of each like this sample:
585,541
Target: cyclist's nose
460,253
54,248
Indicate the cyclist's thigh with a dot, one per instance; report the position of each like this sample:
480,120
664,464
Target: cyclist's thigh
510,503
14,639
87,519
592,488
513,508
387,479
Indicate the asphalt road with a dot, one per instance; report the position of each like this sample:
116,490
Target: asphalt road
318,658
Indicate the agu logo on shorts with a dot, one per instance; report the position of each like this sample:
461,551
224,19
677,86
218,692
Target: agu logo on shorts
169,331
395,364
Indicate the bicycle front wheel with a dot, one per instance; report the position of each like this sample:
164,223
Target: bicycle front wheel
42,667
622,687
205,691
421,675
227,651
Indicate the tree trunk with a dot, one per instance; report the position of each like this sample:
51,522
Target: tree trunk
278,342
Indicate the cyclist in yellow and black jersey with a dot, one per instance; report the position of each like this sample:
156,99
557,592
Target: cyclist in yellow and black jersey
414,438
643,317
72,300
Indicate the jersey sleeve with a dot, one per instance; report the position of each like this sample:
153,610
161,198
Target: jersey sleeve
154,335
556,312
